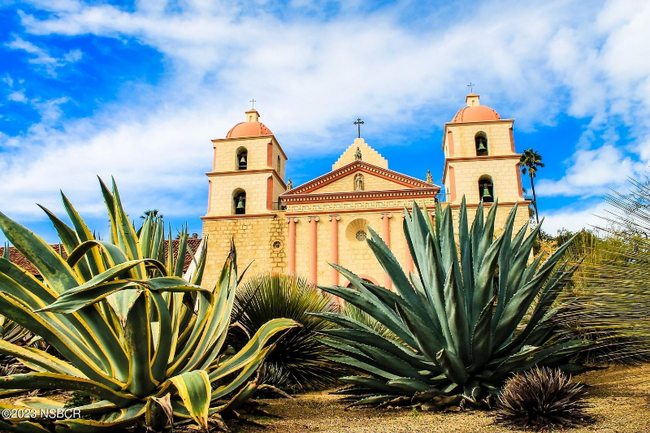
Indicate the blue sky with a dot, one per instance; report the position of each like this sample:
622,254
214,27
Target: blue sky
136,90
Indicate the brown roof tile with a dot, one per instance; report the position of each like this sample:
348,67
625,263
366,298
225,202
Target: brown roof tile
16,256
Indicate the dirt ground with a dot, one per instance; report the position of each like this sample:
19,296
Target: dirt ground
620,399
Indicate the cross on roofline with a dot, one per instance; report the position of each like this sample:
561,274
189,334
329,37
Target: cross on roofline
253,101
359,122
471,87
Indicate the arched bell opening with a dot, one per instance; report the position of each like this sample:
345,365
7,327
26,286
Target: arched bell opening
239,202
242,159
486,189
481,141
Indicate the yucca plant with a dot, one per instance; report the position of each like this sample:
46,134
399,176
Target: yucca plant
542,399
611,294
299,362
459,320
141,340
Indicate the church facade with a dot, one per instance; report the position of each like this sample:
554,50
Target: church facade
298,230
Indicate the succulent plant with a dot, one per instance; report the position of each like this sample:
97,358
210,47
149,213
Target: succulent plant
298,363
134,335
542,399
459,321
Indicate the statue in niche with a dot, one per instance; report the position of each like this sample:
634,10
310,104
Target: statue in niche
357,155
289,184
429,178
358,182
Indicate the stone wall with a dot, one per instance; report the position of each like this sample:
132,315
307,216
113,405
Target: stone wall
254,240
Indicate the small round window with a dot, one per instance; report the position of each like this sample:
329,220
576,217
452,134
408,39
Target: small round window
361,235
277,245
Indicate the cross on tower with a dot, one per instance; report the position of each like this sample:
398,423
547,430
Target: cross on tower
253,101
359,122
471,87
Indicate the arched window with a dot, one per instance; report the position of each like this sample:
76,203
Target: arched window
486,189
481,141
239,202
279,165
242,159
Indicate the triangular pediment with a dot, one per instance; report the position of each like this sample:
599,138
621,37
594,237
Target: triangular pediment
356,177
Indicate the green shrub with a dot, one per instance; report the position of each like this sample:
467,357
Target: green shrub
299,361
458,320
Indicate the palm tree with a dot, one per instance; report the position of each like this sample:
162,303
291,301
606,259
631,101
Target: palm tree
153,212
530,161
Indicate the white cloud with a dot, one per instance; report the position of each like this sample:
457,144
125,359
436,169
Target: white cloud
310,75
573,219
591,173
42,57
17,96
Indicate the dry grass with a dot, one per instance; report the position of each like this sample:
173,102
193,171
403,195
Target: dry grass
620,400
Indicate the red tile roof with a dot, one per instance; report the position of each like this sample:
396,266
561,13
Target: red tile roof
16,257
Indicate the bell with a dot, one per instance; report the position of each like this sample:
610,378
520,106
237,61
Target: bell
240,205
481,145
242,160
486,192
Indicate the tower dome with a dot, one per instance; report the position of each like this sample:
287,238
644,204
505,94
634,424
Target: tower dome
475,112
250,128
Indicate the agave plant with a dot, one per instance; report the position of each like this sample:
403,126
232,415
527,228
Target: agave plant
299,363
141,340
458,321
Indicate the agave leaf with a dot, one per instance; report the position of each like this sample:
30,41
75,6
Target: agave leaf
70,241
139,343
21,427
427,343
69,303
163,346
159,412
40,358
94,260
375,308
114,255
250,369
482,336
67,382
53,268
452,366
466,258
247,353
411,386
64,340
118,420
195,391
126,235
522,299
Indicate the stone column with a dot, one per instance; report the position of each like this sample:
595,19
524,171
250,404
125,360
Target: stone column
334,247
409,259
292,245
313,249
385,234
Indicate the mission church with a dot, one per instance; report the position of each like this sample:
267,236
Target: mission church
298,230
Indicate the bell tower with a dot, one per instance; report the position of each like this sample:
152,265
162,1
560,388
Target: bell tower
248,171
480,158
247,177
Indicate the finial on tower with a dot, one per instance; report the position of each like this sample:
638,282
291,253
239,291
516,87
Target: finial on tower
429,178
471,87
252,101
